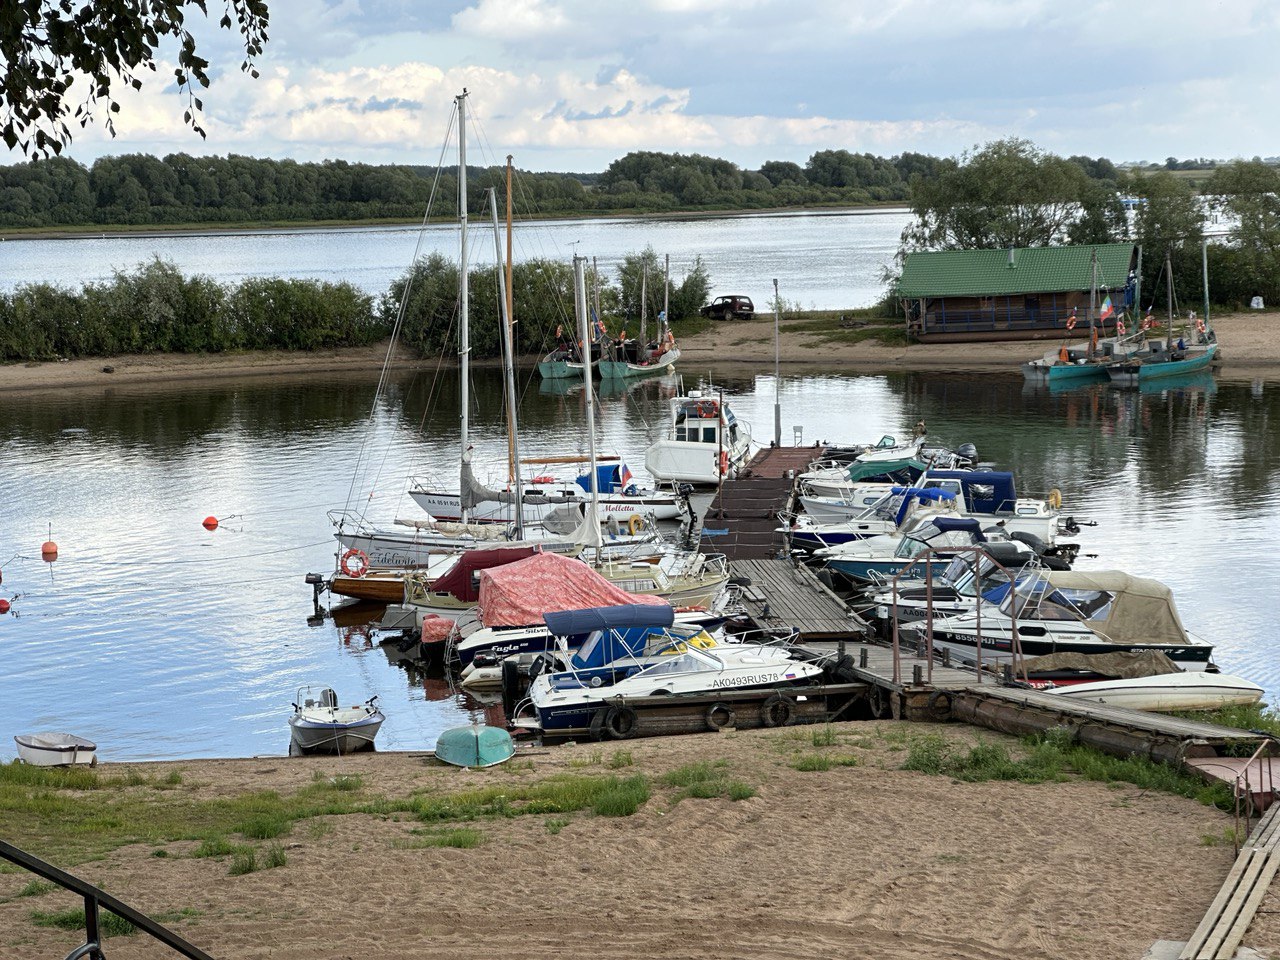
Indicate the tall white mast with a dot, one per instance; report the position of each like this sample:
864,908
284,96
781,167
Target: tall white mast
509,365
464,332
580,306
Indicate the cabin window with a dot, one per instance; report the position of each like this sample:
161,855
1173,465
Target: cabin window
708,434
982,491
680,433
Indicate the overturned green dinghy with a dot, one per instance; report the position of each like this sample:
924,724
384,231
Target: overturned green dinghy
474,746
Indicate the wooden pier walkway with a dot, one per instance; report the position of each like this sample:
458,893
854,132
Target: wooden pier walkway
743,519
783,594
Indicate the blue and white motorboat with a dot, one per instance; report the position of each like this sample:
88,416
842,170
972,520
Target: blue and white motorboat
885,516
1064,611
566,703
957,589
878,559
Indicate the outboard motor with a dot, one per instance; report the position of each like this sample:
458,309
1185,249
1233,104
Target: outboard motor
967,451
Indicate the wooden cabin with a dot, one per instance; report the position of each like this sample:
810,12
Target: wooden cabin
1024,293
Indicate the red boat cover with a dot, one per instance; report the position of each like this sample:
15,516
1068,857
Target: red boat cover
436,629
518,594
460,583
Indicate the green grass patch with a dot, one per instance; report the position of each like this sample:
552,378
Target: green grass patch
36,888
461,838
705,781
109,924
609,796
824,736
1257,717
555,825
740,791
17,774
830,326
594,759
815,762
1053,758
244,860
213,847
621,758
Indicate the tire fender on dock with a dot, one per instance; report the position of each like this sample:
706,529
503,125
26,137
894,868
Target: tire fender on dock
777,711
719,716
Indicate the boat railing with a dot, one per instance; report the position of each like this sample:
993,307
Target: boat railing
94,901
927,557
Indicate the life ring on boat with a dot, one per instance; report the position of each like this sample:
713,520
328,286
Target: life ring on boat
620,722
938,706
777,711
1071,322
719,716
1054,499
635,524
354,563
724,462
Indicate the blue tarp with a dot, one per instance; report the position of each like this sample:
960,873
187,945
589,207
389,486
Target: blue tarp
610,478
567,623
964,524
999,498
613,645
910,494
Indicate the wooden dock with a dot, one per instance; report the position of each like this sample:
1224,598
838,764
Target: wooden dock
783,594
744,517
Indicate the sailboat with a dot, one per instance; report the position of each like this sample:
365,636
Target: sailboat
1087,359
641,357
418,542
1167,358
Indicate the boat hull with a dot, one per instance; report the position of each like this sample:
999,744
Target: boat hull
313,735
56,750
1177,691
448,507
474,746
997,644
1136,373
621,370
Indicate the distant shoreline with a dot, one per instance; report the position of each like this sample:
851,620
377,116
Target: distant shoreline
1250,345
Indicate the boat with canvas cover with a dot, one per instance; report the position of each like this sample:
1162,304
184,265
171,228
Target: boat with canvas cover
54,749
319,724
473,746
956,590
1069,611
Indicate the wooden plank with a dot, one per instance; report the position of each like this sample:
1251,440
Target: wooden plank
1245,909
1259,848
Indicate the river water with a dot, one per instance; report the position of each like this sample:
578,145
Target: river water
159,639
824,260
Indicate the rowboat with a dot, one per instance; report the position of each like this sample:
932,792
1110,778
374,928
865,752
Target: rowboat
56,750
476,745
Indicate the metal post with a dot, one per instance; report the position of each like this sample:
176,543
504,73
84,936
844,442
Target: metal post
777,380
464,336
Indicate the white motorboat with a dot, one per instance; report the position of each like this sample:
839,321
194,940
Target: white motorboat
1066,611
706,443
320,725
1190,690
55,749
566,704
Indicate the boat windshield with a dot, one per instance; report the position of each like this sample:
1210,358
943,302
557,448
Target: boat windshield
1037,599
692,660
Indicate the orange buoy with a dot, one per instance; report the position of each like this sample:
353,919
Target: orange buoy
210,523
4,605
49,551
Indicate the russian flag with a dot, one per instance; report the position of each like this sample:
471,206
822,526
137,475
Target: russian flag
1107,309
624,475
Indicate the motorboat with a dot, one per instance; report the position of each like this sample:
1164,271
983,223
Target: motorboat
886,516
320,725
56,749
706,442
565,704
878,559
1187,690
475,745
1083,361
957,589
1068,611
839,477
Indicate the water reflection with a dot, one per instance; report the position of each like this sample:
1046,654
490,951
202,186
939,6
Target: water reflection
159,638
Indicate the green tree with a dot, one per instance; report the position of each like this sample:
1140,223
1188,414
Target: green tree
1248,192
47,45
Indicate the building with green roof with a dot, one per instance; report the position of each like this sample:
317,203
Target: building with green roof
1026,293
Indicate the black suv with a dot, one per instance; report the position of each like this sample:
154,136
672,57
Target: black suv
729,308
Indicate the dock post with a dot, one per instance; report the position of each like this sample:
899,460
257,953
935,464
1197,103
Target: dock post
862,658
917,674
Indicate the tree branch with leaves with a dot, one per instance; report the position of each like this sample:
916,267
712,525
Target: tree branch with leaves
64,60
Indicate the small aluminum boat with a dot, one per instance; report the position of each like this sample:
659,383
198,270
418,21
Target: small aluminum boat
319,725
56,749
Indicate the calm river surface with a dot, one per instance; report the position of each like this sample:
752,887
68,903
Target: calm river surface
827,261
159,639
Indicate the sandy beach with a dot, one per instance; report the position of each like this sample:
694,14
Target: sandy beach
1250,346
862,860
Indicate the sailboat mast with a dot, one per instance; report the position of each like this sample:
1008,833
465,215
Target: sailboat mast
1093,296
580,307
508,364
644,275
666,299
464,333
1168,278
513,454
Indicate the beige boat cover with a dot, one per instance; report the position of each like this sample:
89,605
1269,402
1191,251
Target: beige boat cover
1143,609
1120,665
518,594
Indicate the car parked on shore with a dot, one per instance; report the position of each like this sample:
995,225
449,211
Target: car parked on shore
733,307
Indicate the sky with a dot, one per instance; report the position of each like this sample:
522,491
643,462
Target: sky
571,85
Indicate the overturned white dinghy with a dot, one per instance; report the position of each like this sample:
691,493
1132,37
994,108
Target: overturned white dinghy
56,749
1191,690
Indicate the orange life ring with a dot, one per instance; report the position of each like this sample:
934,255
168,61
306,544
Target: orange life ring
724,462
1200,324
357,569
1071,322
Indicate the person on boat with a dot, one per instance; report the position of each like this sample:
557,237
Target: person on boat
1064,355
563,344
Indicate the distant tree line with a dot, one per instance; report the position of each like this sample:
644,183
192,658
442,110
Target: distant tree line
157,309
1010,194
142,190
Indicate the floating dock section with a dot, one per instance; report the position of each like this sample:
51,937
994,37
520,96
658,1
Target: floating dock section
743,519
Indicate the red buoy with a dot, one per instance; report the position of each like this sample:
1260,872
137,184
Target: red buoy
210,523
49,551
4,605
